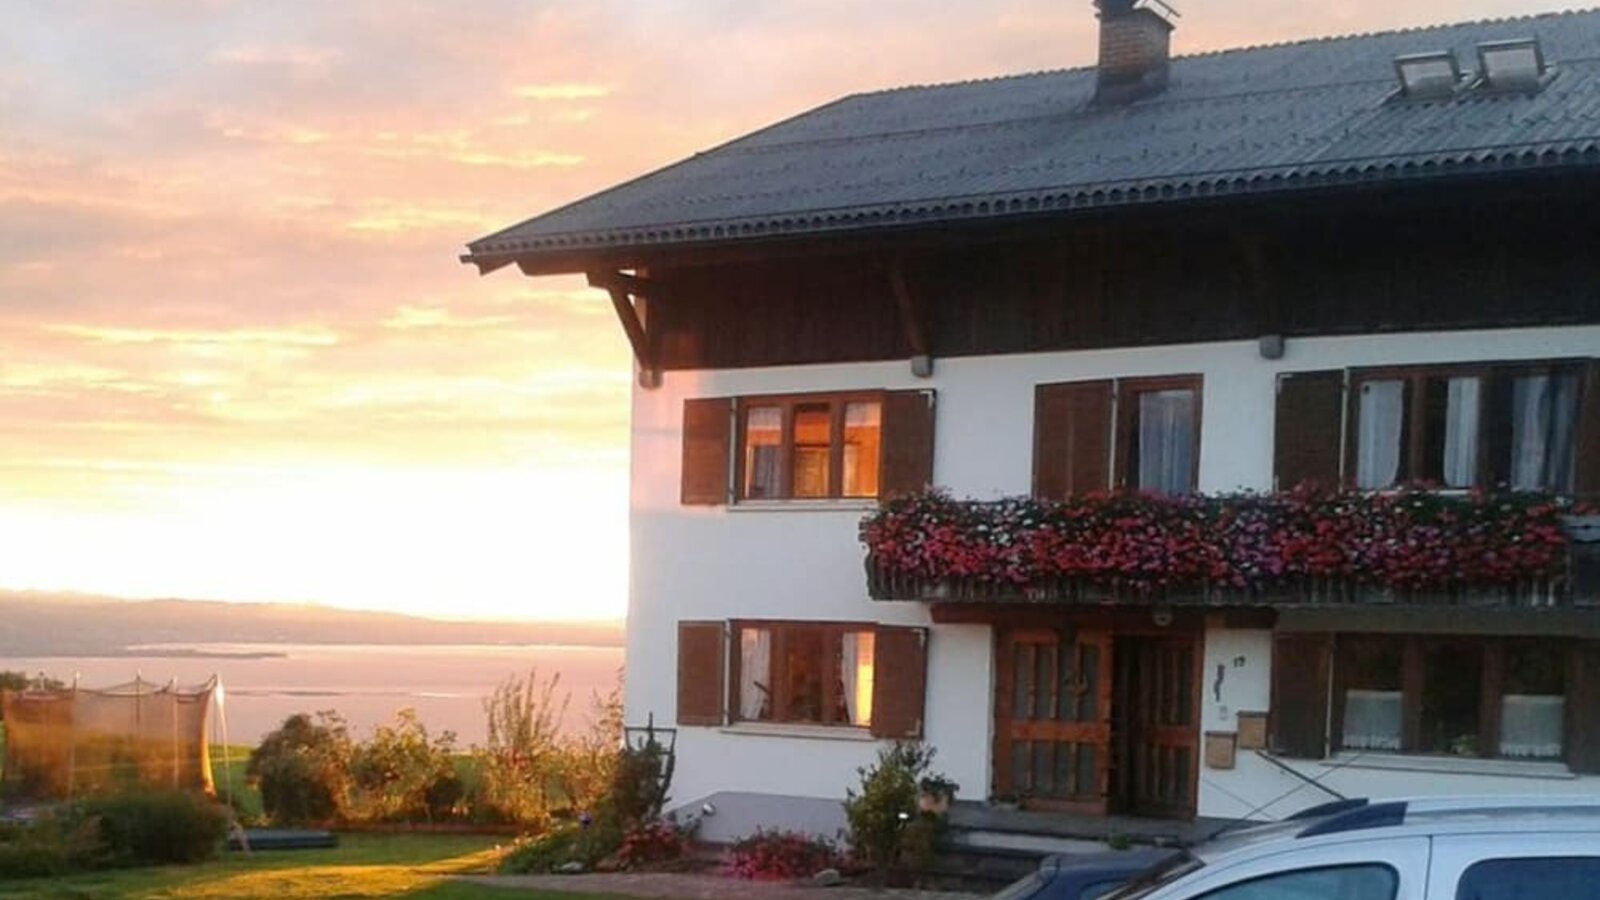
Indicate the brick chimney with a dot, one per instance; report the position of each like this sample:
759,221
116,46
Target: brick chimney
1135,48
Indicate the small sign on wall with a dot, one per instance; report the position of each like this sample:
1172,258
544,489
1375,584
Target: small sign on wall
1252,731
1220,749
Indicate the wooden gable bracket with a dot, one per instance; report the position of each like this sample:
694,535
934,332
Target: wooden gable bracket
916,332
624,289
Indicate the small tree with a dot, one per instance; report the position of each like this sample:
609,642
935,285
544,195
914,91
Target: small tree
523,758
401,774
303,769
886,804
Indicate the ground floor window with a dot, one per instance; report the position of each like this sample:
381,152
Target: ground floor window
819,674
1457,696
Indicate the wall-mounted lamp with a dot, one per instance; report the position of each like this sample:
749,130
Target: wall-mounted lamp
1270,346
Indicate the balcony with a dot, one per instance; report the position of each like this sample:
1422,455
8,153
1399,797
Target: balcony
1294,549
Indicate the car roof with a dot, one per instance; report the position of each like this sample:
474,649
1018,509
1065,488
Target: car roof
1389,819
1129,861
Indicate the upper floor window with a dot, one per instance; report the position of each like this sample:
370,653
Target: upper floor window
1138,433
858,445
811,448
1517,426
1465,427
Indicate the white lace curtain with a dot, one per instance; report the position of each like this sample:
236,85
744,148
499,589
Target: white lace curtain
1166,441
856,672
1543,415
755,674
1531,726
1372,720
1461,432
1381,419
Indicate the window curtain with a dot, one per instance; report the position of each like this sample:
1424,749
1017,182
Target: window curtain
856,674
1380,421
1166,441
1531,726
763,433
755,674
1372,720
1461,433
1543,415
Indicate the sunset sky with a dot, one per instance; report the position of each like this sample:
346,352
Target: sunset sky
238,358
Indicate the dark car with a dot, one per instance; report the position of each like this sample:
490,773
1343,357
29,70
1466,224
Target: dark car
1085,876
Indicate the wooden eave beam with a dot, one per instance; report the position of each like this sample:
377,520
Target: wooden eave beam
911,319
623,288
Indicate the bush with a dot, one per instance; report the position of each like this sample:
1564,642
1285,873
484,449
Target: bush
587,844
522,761
158,828
653,842
403,775
781,856
303,769
58,843
879,815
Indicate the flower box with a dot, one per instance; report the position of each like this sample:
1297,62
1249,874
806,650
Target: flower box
1300,547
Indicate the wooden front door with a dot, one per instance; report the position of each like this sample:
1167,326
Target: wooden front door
1157,736
1053,717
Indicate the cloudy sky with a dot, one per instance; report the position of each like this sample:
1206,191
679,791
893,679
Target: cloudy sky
238,358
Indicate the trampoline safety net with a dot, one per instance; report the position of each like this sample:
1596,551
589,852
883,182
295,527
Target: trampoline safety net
75,741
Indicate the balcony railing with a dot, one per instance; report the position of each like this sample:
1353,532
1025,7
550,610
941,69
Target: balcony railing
1293,549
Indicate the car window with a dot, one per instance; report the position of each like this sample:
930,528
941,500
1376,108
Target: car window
1530,878
1364,882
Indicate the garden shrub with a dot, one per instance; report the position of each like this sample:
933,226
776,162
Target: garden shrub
587,843
651,843
403,775
303,769
881,814
158,827
57,843
781,856
519,768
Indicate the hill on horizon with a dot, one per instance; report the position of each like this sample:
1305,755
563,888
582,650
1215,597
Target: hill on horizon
43,623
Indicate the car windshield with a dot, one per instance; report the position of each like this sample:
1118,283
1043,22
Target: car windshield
1177,866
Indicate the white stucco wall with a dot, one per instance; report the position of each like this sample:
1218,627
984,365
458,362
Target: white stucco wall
720,563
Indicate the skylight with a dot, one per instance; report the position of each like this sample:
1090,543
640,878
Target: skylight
1428,75
1515,65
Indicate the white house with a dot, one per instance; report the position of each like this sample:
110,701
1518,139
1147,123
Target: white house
1355,262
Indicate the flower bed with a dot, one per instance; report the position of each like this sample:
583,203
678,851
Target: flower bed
1409,540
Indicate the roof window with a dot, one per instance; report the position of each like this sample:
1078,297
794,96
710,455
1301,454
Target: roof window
1514,65
1428,76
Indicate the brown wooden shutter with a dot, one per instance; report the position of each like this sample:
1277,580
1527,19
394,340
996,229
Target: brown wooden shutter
700,669
1306,441
1071,438
907,443
1583,708
706,440
899,681
1298,719
1587,481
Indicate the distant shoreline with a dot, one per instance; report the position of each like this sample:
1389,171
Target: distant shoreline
127,653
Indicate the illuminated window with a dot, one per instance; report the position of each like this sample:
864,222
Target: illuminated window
811,447
805,674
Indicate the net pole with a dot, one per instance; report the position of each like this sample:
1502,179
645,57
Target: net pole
220,697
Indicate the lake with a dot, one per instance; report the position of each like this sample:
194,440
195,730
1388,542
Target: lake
366,683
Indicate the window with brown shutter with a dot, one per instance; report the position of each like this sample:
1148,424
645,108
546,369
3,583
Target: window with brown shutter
705,451
857,445
1306,446
900,680
1298,718
1583,708
1071,438
700,670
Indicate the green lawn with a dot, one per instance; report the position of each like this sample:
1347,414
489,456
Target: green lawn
364,865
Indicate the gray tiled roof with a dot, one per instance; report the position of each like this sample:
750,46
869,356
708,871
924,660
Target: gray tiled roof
1260,119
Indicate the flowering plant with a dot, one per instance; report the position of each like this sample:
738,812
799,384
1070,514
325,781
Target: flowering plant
652,842
781,856
1410,539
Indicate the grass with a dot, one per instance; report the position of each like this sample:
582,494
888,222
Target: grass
364,865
